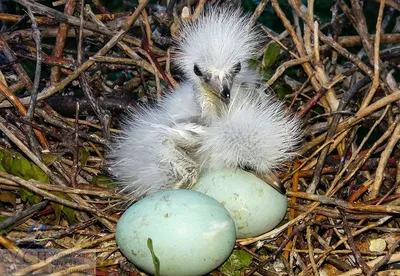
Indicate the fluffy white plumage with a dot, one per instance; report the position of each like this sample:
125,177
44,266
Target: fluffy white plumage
216,42
252,132
220,117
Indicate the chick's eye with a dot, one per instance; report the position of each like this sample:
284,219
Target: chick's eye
236,68
197,71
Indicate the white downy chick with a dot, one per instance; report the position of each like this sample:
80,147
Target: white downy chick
252,132
218,118
213,53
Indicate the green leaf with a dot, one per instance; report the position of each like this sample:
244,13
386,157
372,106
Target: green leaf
39,175
15,164
253,64
156,261
8,197
83,156
27,195
57,212
283,89
103,181
58,209
7,161
265,73
271,54
238,261
49,158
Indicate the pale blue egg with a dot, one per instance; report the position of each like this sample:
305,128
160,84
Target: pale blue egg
254,205
191,233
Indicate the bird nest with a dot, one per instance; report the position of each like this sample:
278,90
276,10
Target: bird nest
69,71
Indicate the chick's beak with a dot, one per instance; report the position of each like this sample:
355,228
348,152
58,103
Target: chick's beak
219,88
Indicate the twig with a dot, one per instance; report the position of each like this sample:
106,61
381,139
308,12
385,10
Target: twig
350,239
331,131
63,253
75,166
36,83
47,92
256,14
383,161
19,216
60,41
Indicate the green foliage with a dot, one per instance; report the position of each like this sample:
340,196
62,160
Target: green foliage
282,89
15,164
237,262
156,261
103,181
59,209
271,54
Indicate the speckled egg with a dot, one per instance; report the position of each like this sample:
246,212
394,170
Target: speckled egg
254,205
190,233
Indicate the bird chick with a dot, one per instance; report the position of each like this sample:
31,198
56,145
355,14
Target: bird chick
213,53
252,132
219,117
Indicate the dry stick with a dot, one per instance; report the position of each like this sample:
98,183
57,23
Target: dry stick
393,259
75,166
307,31
86,267
60,41
385,258
310,253
385,155
100,7
36,83
331,98
21,108
153,68
361,114
350,239
198,10
295,187
344,239
389,209
339,175
358,20
47,92
63,253
20,215
357,61
52,176
377,63
258,11
101,113
334,188
298,229
63,18
50,196
43,20
281,69
146,23
29,153
332,130
334,142
277,231
277,40
16,65
355,40
68,190
38,69
16,251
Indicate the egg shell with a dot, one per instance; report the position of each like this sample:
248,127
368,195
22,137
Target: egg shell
191,233
254,205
